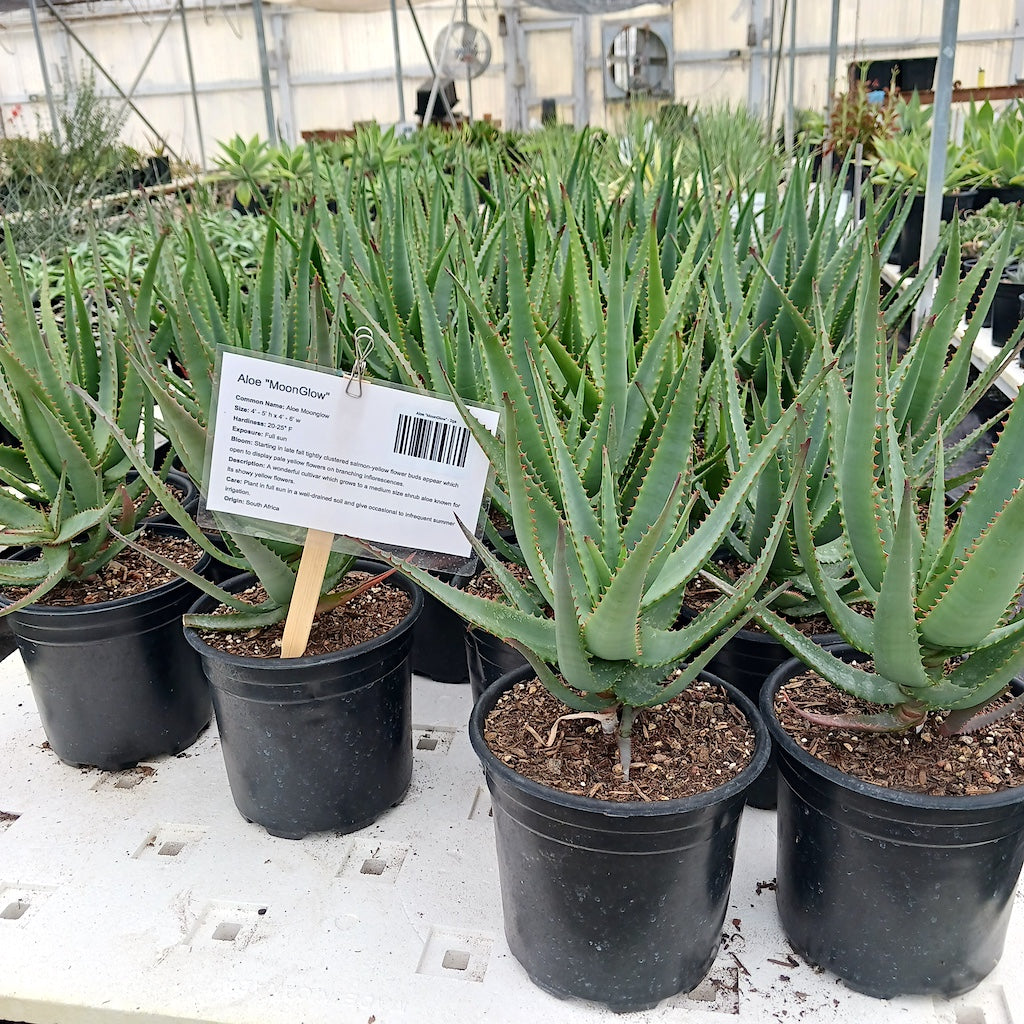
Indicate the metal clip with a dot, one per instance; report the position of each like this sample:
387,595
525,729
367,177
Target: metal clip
363,341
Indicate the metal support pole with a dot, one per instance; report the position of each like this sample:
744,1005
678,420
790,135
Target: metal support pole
833,55
469,77
261,45
791,80
54,123
192,84
833,60
940,129
435,85
398,60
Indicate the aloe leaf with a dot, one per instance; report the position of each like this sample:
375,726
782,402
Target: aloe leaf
868,530
857,630
868,686
974,594
573,658
55,560
611,631
670,447
20,515
554,685
235,620
701,544
81,522
895,649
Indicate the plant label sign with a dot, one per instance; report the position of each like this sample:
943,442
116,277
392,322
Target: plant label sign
391,466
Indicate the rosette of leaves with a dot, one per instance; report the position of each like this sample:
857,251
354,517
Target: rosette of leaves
930,384
996,144
67,395
201,310
602,511
946,632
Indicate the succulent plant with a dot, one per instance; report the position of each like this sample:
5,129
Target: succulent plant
602,511
198,317
65,488
946,632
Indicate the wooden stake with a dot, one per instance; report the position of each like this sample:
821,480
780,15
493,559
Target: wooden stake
308,582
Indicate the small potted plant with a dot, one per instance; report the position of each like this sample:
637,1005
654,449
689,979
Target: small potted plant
897,870
996,144
605,529
99,631
345,705
903,165
864,115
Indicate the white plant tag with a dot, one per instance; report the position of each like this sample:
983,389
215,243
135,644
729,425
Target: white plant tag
391,467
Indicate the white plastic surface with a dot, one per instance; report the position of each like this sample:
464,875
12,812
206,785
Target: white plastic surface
143,896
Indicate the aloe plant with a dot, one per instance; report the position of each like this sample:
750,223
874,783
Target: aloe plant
64,488
603,516
203,309
946,632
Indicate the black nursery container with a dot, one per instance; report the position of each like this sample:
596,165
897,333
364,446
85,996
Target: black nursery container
908,251
746,661
319,742
1006,305
897,893
114,682
619,903
439,636
488,659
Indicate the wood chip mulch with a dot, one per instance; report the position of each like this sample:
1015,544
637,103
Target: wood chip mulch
925,762
701,595
370,615
483,584
130,573
695,742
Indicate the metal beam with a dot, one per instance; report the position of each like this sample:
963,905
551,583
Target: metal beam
931,218
261,46
192,84
398,60
54,123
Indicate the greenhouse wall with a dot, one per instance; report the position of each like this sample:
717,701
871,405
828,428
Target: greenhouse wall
332,69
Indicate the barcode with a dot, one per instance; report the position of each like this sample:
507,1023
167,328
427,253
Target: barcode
432,440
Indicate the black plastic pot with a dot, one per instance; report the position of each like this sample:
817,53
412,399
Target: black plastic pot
115,683
157,171
438,638
622,904
320,742
1005,194
746,661
908,251
1005,311
897,893
488,659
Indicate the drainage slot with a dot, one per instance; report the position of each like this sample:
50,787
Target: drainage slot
128,782
970,1015
14,910
373,866
171,849
427,743
227,931
455,960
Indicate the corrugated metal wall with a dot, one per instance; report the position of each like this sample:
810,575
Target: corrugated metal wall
334,69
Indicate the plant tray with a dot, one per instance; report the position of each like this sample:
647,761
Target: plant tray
143,896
